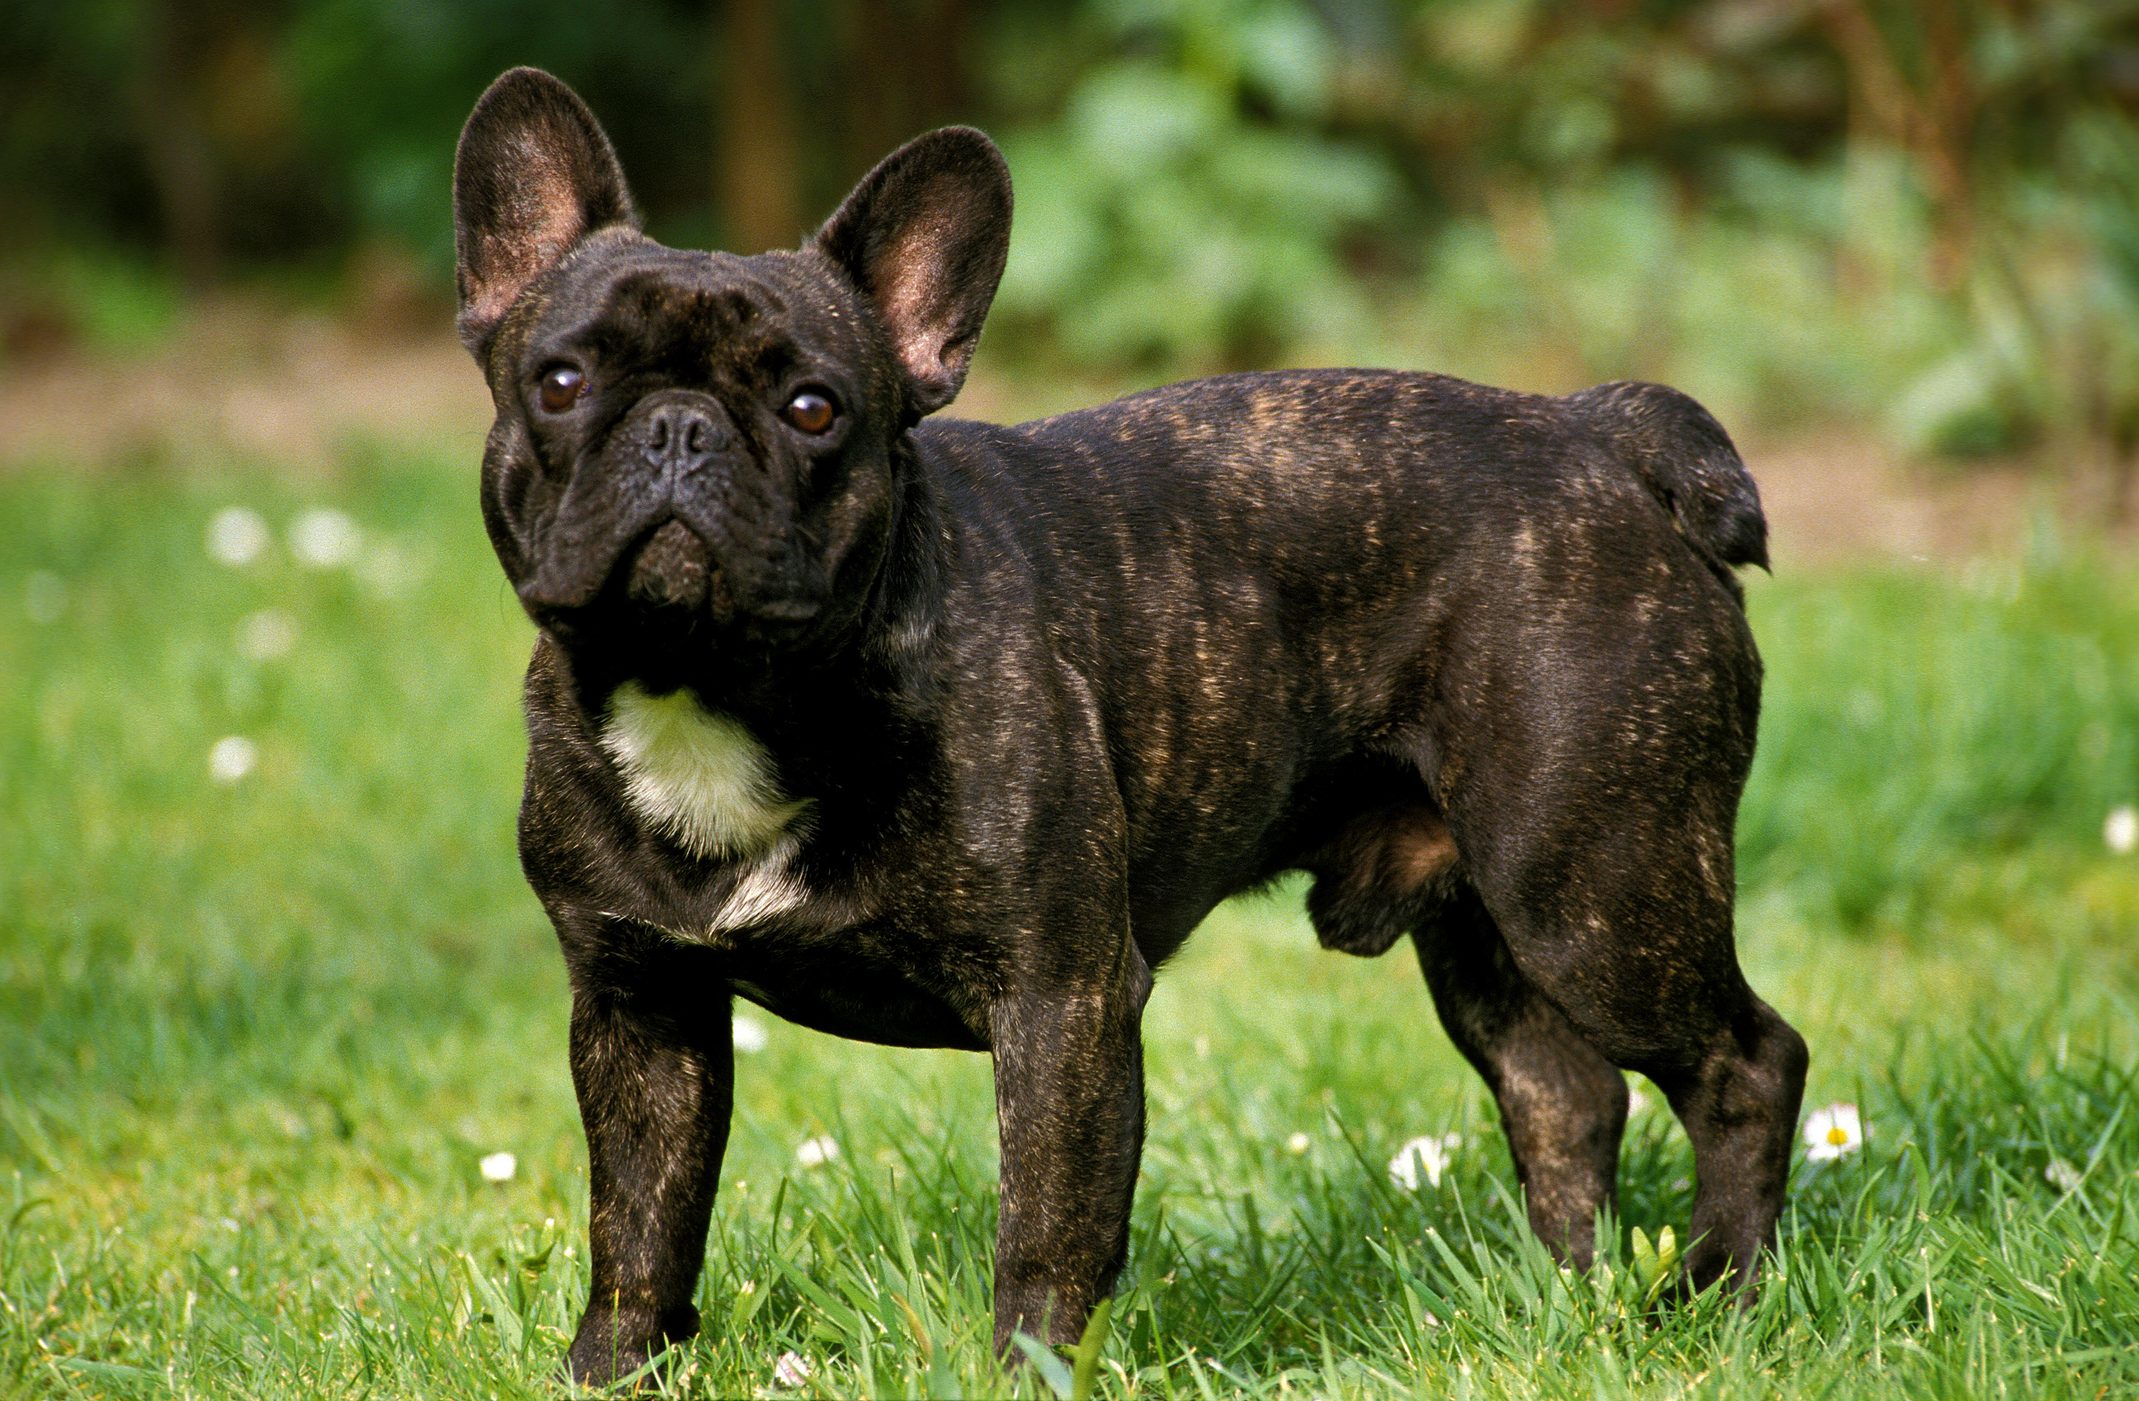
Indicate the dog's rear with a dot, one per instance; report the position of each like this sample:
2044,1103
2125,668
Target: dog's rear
1477,660
1683,456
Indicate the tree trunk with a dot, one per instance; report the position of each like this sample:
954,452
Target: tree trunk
180,161
758,183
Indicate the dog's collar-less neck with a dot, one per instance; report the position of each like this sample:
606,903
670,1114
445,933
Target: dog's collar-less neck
907,593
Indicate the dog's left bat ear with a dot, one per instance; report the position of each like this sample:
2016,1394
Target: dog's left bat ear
534,175
924,237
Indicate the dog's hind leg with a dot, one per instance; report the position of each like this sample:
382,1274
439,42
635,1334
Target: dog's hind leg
1631,942
1589,752
1393,868
1562,1104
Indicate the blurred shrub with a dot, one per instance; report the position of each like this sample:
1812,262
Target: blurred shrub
228,135
1765,300
115,302
1188,205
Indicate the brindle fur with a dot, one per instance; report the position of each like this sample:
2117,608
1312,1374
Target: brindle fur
1475,659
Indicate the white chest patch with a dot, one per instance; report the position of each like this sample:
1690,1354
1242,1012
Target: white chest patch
706,781
701,777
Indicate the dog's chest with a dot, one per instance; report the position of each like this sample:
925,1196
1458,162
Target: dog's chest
707,782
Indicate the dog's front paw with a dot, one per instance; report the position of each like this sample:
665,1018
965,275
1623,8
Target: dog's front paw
612,1344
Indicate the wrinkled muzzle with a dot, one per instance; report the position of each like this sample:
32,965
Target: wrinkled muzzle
671,502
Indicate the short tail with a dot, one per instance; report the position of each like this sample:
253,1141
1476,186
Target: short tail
1686,459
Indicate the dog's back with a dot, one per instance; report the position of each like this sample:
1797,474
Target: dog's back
1303,596
1290,463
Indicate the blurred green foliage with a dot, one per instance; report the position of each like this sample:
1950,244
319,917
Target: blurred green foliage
1193,198
1920,216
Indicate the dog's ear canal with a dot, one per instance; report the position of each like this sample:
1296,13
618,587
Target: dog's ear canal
924,237
533,176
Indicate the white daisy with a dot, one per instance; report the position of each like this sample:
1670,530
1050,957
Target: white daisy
750,1035
324,538
1297,1144
498,1167
792,1370
1833,1132
266,635
2120,830
1429,1155
237,536
389,570
816,1152
231,758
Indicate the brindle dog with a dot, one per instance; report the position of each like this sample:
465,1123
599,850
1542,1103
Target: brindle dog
945,734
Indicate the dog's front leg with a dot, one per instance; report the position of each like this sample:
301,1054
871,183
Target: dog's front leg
655,1076
1069,1101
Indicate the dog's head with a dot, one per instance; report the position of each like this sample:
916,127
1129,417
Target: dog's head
702,439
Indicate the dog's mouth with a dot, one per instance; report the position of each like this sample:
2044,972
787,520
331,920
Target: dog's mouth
647,530
658,563
671,568
665,571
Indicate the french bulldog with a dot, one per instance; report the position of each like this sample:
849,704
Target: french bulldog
938,733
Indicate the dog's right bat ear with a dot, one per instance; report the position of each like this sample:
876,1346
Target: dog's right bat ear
534,176
924,237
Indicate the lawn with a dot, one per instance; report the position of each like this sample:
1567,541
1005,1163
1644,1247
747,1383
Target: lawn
265,1007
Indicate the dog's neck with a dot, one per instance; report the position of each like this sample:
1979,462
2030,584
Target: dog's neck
836,692
905,598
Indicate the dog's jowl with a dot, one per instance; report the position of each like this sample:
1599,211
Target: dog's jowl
944,734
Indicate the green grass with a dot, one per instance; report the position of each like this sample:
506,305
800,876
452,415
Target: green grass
254,1038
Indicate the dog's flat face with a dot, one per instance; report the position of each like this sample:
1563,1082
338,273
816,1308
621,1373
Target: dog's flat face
693,442
672,438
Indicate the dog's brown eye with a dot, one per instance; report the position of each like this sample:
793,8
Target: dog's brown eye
561,388
810,411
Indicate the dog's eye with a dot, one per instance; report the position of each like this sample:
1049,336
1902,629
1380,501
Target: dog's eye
561,387
811,411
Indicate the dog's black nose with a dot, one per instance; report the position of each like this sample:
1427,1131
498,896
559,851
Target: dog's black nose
681,437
